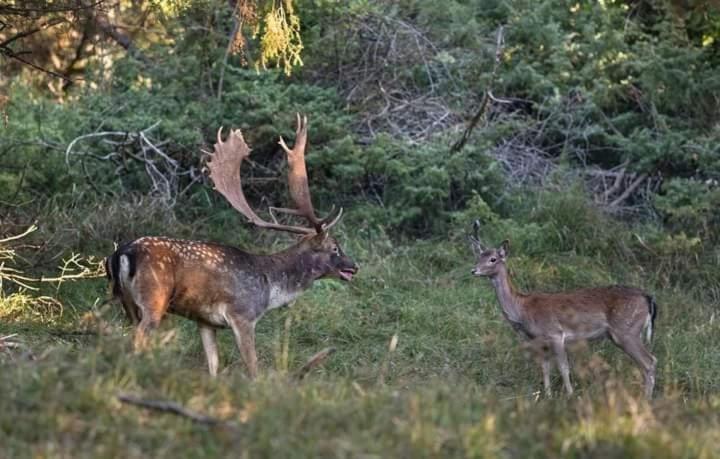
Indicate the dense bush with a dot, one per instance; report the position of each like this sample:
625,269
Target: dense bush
598,85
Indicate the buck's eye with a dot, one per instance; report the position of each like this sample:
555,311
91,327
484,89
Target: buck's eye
336,249
493,260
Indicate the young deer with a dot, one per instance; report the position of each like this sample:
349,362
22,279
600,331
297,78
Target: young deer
549,320
219,286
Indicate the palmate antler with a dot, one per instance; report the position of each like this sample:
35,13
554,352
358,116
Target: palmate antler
225,166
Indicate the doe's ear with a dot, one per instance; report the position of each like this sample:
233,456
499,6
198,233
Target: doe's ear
504,249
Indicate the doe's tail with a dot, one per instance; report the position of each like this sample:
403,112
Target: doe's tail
652,311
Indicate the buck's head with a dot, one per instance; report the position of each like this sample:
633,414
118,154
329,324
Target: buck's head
328,259
488,261
319,249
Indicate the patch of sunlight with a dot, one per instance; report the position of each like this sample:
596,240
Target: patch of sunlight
575,8
143,82
611,59
708,40
172,7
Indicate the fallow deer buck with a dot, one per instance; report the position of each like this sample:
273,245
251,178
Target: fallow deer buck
219,286
550,320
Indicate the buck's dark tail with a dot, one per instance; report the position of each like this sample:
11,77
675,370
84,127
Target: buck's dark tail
652,310
112,267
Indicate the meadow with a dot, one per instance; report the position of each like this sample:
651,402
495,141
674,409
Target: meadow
457,382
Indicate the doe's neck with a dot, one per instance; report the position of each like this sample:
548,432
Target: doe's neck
510,301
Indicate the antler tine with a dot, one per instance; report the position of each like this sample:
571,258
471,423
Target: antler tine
337,217
224,168
297,174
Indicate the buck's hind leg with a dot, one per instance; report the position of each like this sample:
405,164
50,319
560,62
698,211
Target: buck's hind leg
209,341
152,302
131,311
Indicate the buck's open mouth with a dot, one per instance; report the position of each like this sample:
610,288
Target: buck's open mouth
347,274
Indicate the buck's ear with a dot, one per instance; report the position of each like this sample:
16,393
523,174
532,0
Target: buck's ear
504,249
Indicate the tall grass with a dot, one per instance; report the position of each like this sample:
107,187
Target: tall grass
456,384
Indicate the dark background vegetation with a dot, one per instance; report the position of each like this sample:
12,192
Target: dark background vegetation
591,141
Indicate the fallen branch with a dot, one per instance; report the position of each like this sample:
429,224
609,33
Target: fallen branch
166,406
315,361
7,342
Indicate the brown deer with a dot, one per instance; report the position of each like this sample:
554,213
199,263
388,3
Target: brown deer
549,320
219,286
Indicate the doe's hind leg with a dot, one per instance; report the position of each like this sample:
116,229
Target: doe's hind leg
634,347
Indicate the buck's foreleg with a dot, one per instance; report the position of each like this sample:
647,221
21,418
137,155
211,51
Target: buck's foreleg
244,332
209,342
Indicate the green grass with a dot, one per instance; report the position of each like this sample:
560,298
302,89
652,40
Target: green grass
458,384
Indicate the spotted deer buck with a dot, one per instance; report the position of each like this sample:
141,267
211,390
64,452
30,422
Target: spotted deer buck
219,286
550,320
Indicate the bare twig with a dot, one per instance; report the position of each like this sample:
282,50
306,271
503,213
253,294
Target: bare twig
12,55
314,361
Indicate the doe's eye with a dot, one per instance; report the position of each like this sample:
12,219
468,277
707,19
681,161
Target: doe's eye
493,260
336,249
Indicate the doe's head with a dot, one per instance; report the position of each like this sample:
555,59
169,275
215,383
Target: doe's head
488,261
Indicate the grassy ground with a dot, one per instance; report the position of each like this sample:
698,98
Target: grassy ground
458,383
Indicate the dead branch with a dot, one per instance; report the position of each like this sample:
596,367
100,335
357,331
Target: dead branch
10,345
74,268
125,149
487,94
314,361
628,191
7,342
170,407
